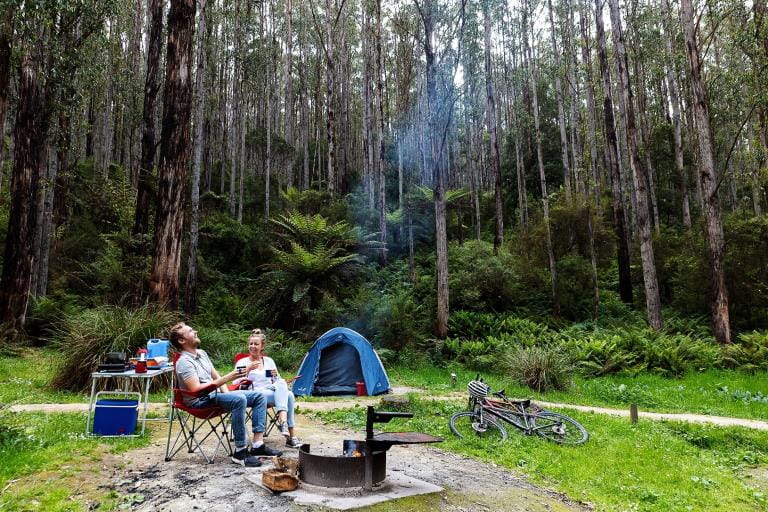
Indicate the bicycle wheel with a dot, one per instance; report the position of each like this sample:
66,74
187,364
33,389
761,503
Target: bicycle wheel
559,428
467,425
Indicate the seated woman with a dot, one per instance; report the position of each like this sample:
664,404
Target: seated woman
274,389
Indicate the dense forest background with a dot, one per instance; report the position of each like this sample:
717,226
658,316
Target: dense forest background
454,179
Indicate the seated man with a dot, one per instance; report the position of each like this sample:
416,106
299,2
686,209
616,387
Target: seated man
196,373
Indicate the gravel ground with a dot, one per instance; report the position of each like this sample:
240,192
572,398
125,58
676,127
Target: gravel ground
187,483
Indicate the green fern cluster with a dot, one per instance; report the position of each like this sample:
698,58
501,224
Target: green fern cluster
313,260
749,353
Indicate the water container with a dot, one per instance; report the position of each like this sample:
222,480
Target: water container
157,348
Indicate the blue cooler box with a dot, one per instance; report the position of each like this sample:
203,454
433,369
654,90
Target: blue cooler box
115,417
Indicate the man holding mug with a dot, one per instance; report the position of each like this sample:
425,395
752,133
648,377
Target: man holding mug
196,373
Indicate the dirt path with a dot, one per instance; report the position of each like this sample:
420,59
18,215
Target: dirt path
343,403
186,483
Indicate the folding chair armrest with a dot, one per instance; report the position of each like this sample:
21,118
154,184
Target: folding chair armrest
200,392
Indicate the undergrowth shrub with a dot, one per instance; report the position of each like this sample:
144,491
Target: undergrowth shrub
481,280
539,368
84,338
45,312
631,349
749,353
472,325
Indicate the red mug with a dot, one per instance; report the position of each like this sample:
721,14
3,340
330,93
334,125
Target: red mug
141,366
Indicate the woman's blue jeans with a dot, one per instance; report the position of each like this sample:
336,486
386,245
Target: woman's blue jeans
236,403
281,398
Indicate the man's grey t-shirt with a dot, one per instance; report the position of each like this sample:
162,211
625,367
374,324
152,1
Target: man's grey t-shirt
189,365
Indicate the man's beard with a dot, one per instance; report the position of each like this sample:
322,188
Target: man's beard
197,342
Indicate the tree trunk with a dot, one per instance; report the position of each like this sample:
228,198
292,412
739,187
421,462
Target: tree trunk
6,39
287,73
709,179
612,162
330,75
677,133
639,177
46,229
490,100
560,109
174,155
586,57
144,195
542,175
29,138
190,287
380,164
433,165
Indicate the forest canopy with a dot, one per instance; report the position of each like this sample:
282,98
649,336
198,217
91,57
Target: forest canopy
432,173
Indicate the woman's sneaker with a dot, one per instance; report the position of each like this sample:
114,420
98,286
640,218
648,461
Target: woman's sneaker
243,458
292,442
282,427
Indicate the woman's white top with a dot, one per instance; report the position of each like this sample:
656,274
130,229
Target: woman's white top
258,377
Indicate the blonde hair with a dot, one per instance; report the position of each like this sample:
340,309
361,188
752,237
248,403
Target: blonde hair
257,333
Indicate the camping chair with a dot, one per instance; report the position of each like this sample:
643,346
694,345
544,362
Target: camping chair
271,422
194,422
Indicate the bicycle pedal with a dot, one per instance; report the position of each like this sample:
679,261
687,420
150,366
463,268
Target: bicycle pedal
479,427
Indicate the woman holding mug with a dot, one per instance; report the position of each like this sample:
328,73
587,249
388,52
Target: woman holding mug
265,379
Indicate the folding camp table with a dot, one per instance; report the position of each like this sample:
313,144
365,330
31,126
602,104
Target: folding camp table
126,377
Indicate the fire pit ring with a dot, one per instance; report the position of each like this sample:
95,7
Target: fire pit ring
331,471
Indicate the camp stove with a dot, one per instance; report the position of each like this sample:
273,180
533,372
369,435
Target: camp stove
365,464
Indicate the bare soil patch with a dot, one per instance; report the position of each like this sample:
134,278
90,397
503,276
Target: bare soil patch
147,483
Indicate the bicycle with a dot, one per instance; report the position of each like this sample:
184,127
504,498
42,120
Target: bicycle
485,417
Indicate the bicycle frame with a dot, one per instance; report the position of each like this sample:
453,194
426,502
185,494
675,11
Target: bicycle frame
512,413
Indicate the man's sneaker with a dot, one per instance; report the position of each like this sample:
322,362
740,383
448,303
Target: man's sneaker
292,442
243,458
264,451
283,428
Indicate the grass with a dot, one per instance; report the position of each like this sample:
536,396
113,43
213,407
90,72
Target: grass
26,379
48,462
651,466
717,392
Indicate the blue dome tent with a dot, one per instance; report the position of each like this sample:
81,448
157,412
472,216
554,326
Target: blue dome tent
336,362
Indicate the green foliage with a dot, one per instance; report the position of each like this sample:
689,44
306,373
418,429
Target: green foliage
481,355
222,344
313,261
471,325
218,305
314,202
398,320
45,312
749,353
230,248
602,355
631,349
539,368
482,281
84,338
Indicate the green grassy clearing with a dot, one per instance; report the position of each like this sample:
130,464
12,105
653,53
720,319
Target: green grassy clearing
648,467
718,392
47,459
26,379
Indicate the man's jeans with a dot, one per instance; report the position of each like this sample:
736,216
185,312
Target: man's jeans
236,403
